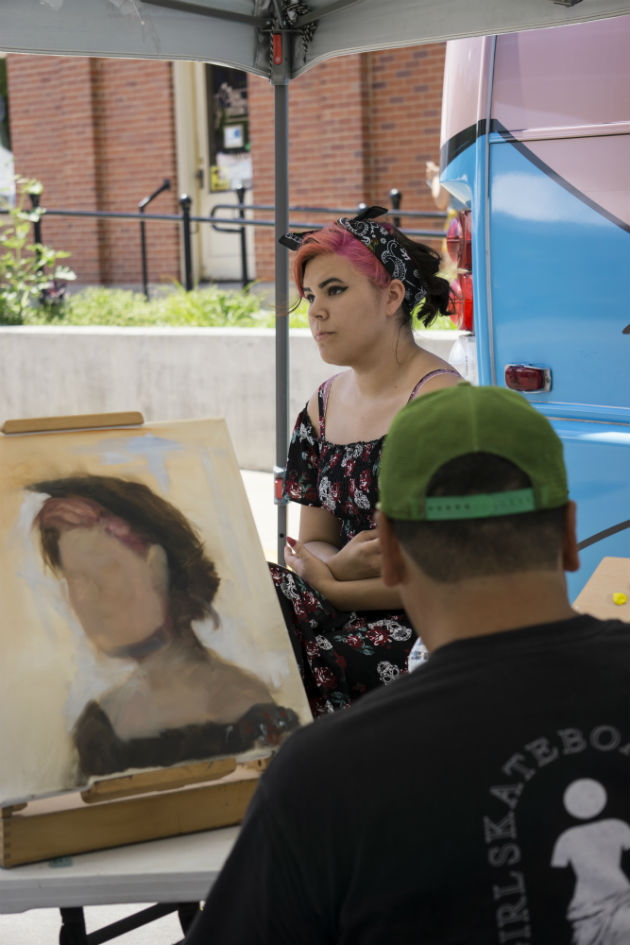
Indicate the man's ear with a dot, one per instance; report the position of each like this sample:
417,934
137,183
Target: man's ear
395,296
570,555
392,563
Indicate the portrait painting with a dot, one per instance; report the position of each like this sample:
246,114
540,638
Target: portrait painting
140,628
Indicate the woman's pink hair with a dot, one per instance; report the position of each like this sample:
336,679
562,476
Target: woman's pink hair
337,241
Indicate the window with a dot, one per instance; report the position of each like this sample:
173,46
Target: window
228,128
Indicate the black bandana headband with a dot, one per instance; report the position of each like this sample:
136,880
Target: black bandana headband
382,244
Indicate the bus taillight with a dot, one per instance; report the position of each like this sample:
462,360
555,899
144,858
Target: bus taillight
459,248
454,239
462,301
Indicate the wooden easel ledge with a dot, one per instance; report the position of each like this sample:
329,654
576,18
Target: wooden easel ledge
165,779
86,421
130,809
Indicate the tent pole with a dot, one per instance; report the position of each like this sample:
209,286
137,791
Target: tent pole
281,121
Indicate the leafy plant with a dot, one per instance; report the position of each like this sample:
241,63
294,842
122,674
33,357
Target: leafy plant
29,272
212,307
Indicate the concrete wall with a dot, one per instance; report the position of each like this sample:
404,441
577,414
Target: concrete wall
168,374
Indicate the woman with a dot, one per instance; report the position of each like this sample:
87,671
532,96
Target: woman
363,281
137,576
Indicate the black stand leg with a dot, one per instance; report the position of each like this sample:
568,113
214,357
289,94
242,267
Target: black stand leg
72,931
187,912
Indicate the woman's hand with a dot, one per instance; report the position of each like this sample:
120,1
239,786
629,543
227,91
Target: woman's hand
308,566
360,558
360,594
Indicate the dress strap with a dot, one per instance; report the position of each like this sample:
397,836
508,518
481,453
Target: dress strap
322,400
429,376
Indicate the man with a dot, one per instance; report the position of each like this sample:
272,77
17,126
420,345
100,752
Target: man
481,798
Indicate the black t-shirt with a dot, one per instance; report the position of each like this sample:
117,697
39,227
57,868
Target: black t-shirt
481,799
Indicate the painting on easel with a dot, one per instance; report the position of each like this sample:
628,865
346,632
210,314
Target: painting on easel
139,628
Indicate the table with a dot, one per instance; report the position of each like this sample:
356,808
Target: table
173,872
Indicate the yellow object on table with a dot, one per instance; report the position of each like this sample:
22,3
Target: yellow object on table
607,593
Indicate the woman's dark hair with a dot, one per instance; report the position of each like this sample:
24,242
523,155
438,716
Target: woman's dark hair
427,261
336,240
193,580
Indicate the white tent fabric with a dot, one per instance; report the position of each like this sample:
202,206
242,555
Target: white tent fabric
238,33
232,32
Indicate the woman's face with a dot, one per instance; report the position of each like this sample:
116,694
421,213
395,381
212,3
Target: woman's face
347,314
120,596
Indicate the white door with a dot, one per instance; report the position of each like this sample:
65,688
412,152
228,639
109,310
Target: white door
214,160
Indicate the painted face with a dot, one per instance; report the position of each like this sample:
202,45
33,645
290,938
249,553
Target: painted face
119,595
347,314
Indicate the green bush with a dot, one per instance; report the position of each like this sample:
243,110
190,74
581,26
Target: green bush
27,269
211,307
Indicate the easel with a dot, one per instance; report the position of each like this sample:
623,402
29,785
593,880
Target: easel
143,806
131,809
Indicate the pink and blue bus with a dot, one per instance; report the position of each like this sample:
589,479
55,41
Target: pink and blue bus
536,147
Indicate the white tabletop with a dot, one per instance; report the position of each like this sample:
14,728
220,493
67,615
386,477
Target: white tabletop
179,869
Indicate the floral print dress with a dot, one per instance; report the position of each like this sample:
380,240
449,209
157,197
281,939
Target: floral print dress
341,654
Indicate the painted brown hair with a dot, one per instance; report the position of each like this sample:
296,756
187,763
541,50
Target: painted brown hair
151,520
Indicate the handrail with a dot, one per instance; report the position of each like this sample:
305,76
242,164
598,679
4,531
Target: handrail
165,185
336,211
212,218
177,217
185,218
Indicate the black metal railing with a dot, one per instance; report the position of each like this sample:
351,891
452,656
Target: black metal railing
165,185
222,215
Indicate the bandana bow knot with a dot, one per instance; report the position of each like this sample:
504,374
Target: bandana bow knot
382,244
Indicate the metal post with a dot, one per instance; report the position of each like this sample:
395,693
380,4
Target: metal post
395,196
37,224
143,252
185,203
37,228
165,185
281,112
240,193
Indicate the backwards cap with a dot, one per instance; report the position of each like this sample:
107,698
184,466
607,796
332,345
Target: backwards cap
455,421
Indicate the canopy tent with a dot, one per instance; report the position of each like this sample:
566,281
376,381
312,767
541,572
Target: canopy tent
237,32
278,39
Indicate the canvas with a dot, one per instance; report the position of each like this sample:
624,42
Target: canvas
140,628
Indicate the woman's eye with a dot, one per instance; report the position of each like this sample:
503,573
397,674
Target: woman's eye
336,289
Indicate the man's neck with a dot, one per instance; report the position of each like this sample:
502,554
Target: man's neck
444,613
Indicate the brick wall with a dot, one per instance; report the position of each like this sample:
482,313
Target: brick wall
135,146
52,139
358,127
327,157
405,109
99,134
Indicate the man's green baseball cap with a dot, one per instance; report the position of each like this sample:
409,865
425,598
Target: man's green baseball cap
446,424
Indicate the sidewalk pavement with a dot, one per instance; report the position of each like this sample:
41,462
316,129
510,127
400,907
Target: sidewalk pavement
41,926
